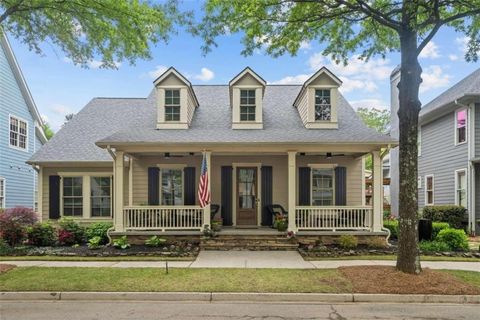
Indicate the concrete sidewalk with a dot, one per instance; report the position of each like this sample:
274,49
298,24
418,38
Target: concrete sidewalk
245,259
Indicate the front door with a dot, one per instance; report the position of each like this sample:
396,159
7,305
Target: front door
247,196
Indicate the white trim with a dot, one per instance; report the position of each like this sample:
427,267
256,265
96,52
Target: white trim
319,73
426,190
243,73
466,126
4,192
464,170
171,167
364,198
322,166
27,138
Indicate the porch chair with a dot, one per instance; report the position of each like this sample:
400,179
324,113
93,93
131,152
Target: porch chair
275,209
213,210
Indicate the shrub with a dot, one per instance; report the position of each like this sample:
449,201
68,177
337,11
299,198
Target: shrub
41,234
98,229
71,231
121,243
456,239
348,241
94,242
376,242
455,216
13,224
434,246
392,225
437,227
154,241
5,249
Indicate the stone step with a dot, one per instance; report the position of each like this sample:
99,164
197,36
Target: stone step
247,242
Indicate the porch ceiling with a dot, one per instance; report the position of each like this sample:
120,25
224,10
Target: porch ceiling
173,155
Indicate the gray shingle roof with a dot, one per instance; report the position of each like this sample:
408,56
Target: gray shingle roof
469,85
110,121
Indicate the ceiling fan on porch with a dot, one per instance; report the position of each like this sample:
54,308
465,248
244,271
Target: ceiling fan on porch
168,155
328,155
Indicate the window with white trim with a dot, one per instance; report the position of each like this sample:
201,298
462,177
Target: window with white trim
18,133
461,188
172,105
460,126
429,190
247,105
171,187
100,196
2,193
73,196
323,105
322,186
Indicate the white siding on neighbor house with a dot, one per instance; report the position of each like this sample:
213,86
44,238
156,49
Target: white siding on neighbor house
440,158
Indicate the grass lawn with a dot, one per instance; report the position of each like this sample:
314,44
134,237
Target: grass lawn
192,280
76,258
393,257
217,280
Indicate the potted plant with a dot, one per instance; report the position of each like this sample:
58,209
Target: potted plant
217,224
281,222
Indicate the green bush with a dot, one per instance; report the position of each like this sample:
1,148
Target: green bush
154,241
72,227
94,242
348,241
455,216
376,243
121,243
41,234
98,229
437,227
392,225
456,239
5,249
14,222
434,246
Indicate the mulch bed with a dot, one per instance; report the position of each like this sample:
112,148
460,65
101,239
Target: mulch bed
382,279
6,267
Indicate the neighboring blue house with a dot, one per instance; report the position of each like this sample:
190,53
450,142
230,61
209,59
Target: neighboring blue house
21,134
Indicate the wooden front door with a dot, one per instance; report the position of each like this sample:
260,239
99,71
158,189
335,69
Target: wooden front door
247,196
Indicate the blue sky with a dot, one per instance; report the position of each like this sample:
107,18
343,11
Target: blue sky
60,88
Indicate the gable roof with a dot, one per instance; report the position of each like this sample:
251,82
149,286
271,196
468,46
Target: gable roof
465,88
113,121
22,84
177,74
321,71
245,71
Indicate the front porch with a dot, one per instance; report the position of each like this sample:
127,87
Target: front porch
323,192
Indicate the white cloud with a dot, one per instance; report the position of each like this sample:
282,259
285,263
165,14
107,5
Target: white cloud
92,64
430,51
157,72
305,45
205,75
453,57
434,77
55,115
369,103
463,43
298,79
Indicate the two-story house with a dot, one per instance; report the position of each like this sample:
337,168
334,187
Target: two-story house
137,161
448,148
21,134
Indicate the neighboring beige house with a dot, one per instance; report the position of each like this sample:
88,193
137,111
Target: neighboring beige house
136,162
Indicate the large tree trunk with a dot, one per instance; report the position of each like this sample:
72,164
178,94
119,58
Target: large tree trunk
408,259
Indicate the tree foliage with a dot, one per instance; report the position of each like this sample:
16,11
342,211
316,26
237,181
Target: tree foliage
375,118
112,30
47,130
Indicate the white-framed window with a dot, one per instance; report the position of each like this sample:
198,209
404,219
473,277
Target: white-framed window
323,105
247,105
72,196
171,186
172,105
461,187
100,196
429,190
18,133
461,126
2,192
323,186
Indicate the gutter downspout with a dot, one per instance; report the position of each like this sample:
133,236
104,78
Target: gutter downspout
114,156
471,166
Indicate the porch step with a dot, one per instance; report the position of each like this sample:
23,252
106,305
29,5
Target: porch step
248,242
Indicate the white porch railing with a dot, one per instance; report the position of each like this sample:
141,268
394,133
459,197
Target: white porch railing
163,218
334,218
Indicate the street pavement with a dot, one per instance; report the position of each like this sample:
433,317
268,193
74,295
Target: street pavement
138,310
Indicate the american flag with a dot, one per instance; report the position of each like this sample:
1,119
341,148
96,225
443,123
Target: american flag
203,192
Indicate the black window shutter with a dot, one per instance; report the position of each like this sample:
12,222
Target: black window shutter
153,186
267,194
54,197
340,186
189,186
226,185
304,185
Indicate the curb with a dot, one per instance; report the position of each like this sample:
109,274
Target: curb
239,297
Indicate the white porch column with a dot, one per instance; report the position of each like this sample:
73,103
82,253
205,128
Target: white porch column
130,181
292,192
118,190
206,210
377,192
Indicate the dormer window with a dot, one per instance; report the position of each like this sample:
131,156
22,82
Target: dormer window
317,101
323,106
172,105
247,105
